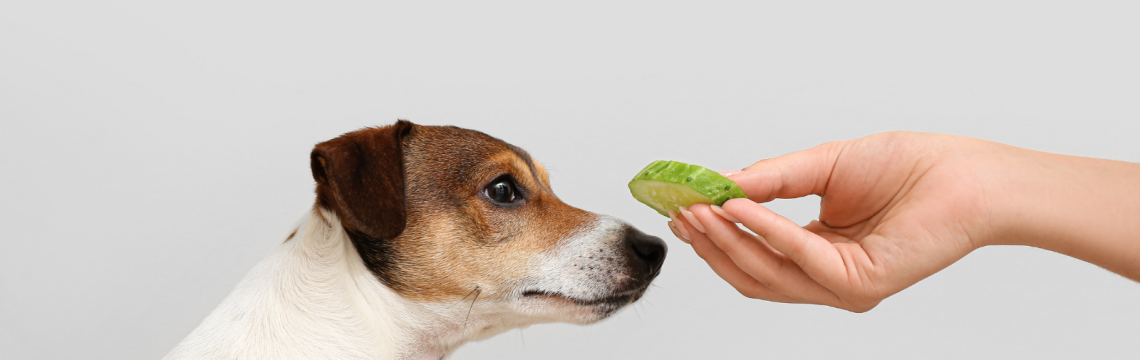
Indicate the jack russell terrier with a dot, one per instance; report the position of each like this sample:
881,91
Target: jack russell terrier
423,238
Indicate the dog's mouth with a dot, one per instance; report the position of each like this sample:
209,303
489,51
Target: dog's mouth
615,300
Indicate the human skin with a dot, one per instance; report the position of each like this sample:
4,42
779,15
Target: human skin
897,207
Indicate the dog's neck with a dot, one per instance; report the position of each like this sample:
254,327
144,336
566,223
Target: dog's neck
314,298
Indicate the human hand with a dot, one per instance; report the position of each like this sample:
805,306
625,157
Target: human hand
895,208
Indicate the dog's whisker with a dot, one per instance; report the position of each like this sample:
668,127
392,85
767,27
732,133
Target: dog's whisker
464,297
480,291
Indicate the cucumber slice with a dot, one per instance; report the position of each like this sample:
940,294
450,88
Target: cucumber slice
665,185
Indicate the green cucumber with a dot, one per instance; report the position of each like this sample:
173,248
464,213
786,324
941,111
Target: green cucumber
666,185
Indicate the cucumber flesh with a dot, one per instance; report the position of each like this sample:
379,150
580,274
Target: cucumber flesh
667,185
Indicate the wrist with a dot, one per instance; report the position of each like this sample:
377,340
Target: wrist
1082,207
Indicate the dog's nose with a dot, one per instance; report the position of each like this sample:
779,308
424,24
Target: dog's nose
649,249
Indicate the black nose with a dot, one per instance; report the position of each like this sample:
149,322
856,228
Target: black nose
650,250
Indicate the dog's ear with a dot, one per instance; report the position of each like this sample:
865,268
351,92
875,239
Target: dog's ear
360,177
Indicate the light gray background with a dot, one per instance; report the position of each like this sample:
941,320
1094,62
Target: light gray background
151,154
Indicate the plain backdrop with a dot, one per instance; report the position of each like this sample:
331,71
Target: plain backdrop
152,152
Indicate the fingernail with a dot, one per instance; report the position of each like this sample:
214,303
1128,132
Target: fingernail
679,233
692,219
724,214
728,173
679,228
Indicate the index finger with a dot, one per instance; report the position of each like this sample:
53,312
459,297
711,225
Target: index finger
794,175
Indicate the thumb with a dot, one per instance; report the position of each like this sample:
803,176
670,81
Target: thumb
794,175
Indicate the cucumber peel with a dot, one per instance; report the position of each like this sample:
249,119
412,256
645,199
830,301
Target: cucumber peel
666,185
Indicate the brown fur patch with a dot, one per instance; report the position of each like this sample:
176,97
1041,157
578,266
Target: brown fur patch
360,176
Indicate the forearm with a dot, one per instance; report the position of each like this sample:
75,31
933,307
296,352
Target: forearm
1082,207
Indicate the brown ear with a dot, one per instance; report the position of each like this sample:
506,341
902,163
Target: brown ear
360,177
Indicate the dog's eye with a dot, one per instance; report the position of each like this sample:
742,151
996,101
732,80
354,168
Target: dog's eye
502,191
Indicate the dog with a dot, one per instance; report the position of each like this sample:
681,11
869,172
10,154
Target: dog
423,238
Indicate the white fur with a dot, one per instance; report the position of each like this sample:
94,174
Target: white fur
578,267
313,298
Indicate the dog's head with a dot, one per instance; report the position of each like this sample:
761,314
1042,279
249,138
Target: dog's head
444,214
